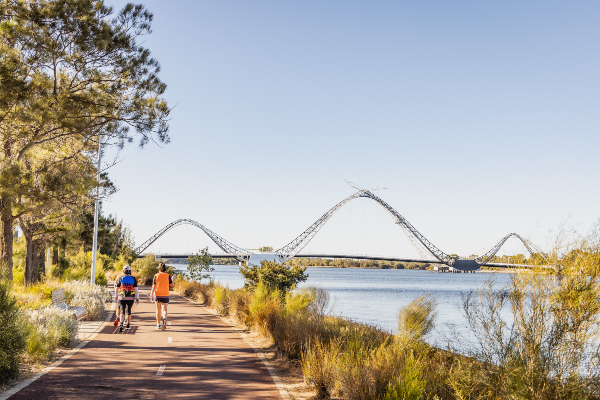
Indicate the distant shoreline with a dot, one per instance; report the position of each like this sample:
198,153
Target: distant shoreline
500,271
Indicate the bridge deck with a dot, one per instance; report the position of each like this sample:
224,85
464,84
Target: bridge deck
349,257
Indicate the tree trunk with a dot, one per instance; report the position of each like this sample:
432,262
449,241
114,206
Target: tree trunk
55,255
42,262
6,238
63,248
35,262
46,266
28,252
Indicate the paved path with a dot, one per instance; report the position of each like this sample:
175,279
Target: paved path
88,328
203,358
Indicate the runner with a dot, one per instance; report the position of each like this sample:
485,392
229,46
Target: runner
160,291
117,313
118,309
127,293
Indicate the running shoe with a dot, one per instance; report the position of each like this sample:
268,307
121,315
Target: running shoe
127,327
121,328
157,326
117,321
164,326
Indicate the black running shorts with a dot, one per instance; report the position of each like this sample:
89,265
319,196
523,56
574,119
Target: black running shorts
126,306
162,299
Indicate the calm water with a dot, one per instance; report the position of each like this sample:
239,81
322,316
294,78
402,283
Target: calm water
375,295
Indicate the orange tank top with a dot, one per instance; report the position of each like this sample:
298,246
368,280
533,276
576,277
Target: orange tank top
161,288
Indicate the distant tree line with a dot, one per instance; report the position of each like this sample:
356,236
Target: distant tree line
534,259
215,261
349,263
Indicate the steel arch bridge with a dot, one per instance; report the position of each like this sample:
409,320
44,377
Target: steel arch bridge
289,251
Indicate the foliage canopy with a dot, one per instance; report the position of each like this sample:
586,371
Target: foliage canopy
273,275
72,74
199,265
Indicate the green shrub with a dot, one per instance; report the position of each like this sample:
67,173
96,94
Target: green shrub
264,309
19,250
299,301
417,319
49,328
80,266
18,275
221,299
273,275
410,385
144,269
199,266
194,290
91,297
12,334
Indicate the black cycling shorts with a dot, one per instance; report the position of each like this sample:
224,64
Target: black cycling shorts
162,299
126,306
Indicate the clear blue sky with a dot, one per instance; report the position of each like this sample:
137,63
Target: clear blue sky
480,118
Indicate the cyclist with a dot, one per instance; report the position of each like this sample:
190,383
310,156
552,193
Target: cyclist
127,293
160,291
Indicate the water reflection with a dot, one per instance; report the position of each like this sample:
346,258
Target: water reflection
374,296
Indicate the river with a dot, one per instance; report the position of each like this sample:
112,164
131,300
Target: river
375,296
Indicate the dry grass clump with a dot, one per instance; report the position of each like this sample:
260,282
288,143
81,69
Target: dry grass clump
32,329
111,274
238,306
196,291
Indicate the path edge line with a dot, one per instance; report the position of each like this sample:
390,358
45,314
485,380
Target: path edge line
22,385
261,355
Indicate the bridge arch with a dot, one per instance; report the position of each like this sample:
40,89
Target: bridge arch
290,250
225,245
416,238
531,248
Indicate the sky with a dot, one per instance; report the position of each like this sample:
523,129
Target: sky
479,119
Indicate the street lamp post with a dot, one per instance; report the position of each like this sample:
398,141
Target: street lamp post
96,212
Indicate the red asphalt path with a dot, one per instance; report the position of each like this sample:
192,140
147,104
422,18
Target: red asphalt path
205,359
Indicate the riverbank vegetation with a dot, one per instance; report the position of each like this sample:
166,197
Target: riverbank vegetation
536,338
